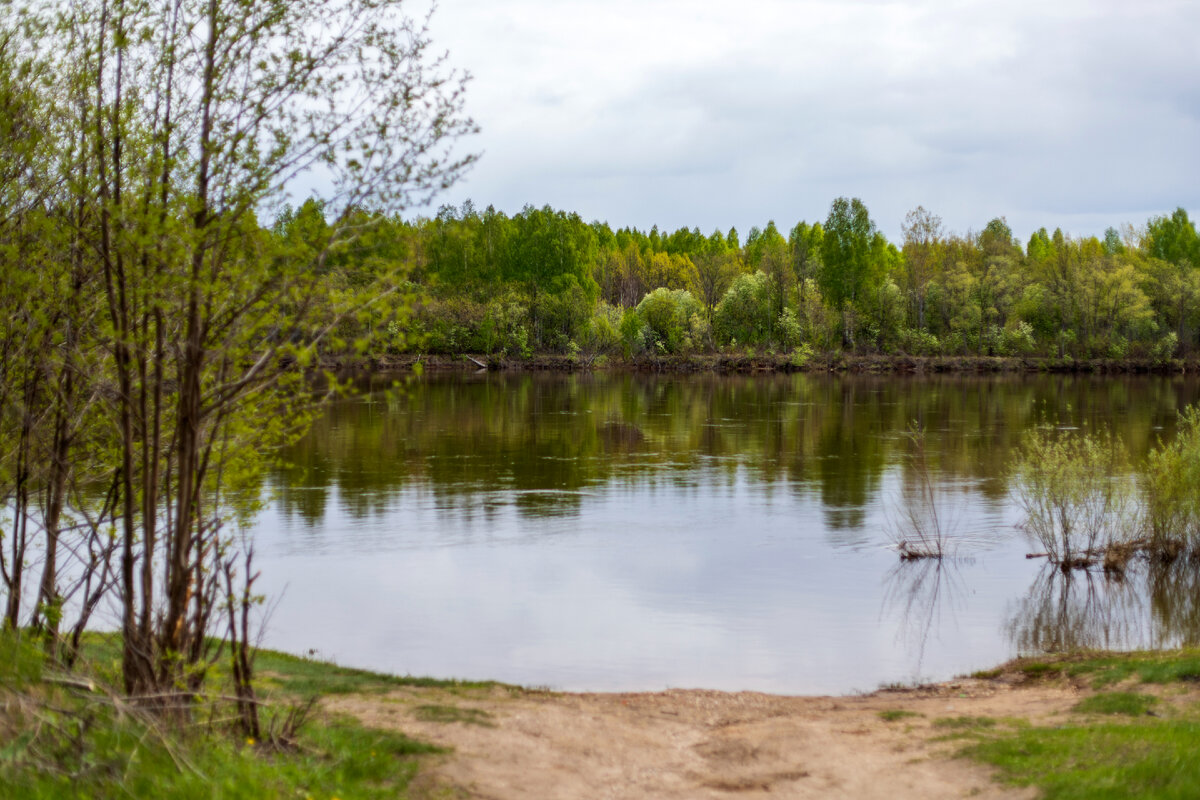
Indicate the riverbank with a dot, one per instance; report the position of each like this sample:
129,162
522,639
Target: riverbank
1100,725
1061,728
742,363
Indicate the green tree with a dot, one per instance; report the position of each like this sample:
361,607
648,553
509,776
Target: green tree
924,239
848,266
195,116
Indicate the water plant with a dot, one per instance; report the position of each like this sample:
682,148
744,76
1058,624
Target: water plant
1077,503
1168,484
923,525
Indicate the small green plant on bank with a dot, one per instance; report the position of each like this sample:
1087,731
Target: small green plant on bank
1129,704
454,714
896,714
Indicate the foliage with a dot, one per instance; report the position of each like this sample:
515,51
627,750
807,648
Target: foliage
744,313
667,317
1070,487
151,366
1125,297
72,735
1168,482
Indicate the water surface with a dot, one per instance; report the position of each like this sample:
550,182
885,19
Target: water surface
619,531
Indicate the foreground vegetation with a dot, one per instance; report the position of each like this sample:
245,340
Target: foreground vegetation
1137,736
1135,732
149,325
71,734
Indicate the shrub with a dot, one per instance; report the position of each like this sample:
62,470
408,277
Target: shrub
789,331
1016,339
919,343
602,333
1074,503
633,332
505,328
561,313
667,315
744,313
1164,349
1168,483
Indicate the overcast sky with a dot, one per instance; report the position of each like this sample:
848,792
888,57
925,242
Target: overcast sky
694,113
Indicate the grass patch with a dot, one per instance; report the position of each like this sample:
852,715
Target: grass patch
306,677
1100,670
1040,669
1131,704
1147,758
1141,756
449,714
987,674
57,740
964,723
896,714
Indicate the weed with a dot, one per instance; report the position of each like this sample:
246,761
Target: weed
448,714
896,714
962,723
1128,703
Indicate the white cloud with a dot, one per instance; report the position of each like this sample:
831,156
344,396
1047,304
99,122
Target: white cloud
1080,114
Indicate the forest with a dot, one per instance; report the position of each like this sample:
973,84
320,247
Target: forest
545,281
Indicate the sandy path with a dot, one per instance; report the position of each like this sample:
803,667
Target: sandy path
703,744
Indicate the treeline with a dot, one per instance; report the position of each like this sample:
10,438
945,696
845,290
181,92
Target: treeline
545,280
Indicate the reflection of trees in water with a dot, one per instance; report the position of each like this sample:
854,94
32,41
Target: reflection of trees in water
919,593
464,436
1174,591
1079,610
1152,606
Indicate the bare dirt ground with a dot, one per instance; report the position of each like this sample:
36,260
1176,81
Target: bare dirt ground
509,743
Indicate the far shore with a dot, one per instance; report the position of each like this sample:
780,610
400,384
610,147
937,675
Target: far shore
744,363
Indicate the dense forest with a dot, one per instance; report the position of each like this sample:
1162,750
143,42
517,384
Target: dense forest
545,281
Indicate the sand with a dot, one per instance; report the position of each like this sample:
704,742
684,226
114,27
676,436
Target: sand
510,743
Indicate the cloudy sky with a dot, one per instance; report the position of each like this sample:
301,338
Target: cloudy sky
1072,113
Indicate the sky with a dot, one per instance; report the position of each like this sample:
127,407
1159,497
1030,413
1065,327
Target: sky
1056,113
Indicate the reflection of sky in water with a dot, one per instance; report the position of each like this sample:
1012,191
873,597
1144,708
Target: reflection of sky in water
702,583
728,534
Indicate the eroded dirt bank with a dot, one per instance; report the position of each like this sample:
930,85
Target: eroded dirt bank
510,743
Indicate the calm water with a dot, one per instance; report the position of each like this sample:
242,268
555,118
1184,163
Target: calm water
641,532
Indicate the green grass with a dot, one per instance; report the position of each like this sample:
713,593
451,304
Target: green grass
1132,754
895,714
305,676
987,674
448,714
1128,703
964,723
1107,669
1150,758
58,742
1039,669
